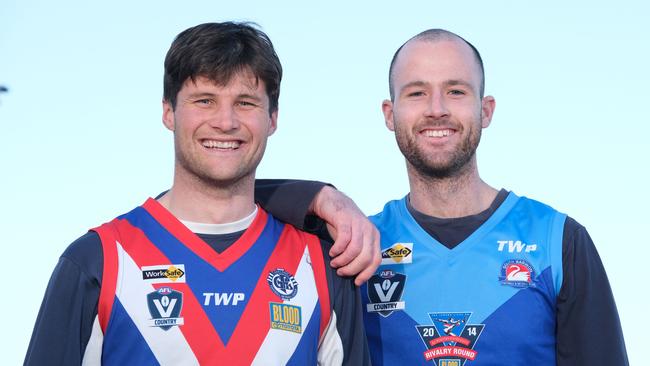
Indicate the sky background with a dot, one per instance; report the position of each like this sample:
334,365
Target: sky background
81,137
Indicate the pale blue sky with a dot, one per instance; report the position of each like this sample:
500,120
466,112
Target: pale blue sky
82,140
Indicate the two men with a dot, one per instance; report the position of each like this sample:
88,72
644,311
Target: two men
202,275
469,272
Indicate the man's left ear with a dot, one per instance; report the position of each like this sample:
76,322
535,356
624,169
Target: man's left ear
487,110
274,122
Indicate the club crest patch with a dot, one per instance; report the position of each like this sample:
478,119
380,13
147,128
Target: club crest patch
283,284
170,273
398,253
285,317
165,306
385,290
450,339
517,273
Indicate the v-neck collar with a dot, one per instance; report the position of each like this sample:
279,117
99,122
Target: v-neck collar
220,261
440,249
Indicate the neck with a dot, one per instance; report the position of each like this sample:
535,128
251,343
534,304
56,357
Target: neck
196,200
460,195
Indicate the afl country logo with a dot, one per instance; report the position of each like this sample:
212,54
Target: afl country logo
517,273
165,308
282,284
384,292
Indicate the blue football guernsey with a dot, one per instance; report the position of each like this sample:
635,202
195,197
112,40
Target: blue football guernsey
168,298
488,301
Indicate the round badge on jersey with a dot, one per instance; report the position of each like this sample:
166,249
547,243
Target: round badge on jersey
283,284
517,273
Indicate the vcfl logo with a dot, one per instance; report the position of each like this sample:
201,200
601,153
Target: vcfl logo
516,246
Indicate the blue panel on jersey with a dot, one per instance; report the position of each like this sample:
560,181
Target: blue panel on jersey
129,348
305,353
393,336
516,318
239,277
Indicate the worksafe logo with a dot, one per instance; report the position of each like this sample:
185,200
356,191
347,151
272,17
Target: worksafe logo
285,317
170,273
165,306
398,253
450,339
385,292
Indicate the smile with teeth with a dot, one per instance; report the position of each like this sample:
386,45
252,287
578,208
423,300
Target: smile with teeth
438,133
214,144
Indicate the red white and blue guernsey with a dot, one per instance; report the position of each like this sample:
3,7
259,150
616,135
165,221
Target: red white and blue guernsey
488,301
168,298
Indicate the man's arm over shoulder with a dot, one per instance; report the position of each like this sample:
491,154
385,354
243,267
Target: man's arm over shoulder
69,308
346,330
588,327
288,200
356,246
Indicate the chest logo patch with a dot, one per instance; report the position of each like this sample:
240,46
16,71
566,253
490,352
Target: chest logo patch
517,273
285,317
450,339
165,306
170,273
385,290
398,253
283,284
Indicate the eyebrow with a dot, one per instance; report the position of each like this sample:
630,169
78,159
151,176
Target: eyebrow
211,95
417,83
249,96
454,82
451,82
200,95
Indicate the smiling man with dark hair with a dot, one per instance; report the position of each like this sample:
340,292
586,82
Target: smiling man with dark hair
201,274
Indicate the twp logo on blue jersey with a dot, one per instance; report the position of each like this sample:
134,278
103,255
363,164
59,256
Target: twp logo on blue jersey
516,246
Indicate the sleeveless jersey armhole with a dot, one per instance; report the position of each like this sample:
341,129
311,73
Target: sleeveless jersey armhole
318,265
556,238
109,274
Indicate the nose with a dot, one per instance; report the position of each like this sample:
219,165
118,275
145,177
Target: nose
224,118
437,106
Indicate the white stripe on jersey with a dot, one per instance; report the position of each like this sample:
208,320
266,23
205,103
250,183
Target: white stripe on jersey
330,351
279,345
132,290
93,353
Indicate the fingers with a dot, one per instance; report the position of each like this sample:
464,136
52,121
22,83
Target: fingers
341,236
352,248
364,263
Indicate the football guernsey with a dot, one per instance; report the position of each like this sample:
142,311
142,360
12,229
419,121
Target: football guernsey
166,297
490,300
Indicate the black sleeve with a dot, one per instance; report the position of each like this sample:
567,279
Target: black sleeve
69,308
346,302
289,200
588,328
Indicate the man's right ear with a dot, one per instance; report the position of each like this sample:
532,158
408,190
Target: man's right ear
387,109
168,115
